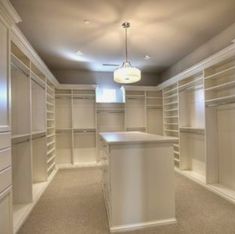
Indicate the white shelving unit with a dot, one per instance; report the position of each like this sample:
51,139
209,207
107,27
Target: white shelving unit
171,117
220,126
110,118
154,113
50,137
135,111
192,126
84,127
75,127
32,133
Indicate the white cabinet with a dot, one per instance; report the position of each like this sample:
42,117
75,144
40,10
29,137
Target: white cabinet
5,143
5,212
4,103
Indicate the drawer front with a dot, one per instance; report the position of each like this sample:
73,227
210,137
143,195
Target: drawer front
5,214
5,158
5,179
5,140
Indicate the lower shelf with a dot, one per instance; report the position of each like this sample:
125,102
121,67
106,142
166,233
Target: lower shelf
219,189
192,175
223,191
21,211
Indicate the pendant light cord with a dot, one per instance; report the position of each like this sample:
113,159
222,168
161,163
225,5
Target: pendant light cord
126,44
126,25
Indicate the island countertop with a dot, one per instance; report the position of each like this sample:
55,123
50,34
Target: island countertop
135,137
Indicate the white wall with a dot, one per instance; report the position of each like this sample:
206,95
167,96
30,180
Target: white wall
215,44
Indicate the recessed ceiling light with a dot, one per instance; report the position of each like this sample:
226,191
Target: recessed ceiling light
79,53
86,21
147,57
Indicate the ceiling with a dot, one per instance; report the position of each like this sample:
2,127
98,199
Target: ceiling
166,30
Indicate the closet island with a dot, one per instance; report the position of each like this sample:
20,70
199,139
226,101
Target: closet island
138,179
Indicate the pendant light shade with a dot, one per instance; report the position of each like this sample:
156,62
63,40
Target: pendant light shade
126,74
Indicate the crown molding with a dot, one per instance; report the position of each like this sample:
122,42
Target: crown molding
223,54
8,13
20,40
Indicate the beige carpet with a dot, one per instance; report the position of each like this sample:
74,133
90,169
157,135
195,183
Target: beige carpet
73,204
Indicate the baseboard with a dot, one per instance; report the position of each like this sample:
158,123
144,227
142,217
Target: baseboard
78,165
209,187
138,226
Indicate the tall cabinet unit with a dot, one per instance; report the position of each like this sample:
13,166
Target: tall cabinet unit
171,117
50,134
63,113
30,130
199,107
220,126
135,111
154,113
192,126
5,136
84,127
75,127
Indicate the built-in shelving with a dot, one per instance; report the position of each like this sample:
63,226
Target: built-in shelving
135,117
50,137
192,125
171,115
32,122
154,112
220,127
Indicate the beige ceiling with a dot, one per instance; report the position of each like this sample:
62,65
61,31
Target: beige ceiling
166,30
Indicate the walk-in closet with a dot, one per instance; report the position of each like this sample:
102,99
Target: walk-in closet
117,117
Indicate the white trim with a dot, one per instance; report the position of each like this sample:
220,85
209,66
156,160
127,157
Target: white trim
78,165
137,226
20,40
9,13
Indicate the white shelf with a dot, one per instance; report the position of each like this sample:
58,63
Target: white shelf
19,136
50,151
52,166
221,86
172,110
175,95
51,159
171,130
171,103
170,91
51,143
172,117
221,100
190,84
219,73
192,130
173,124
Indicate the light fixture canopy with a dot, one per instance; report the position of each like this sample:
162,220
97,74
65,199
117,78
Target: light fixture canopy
126,73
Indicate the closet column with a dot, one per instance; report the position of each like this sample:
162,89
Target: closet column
5,136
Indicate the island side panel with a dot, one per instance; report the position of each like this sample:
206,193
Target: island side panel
142,184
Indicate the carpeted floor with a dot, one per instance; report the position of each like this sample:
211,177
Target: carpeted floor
73,204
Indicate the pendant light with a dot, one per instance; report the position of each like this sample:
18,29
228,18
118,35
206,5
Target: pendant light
126,73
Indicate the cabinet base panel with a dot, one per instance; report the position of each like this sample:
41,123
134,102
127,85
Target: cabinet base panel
138,226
